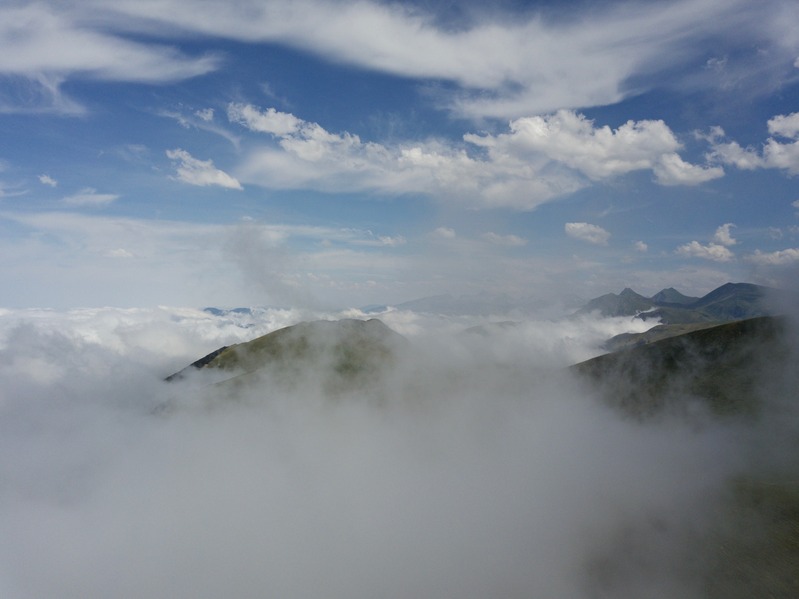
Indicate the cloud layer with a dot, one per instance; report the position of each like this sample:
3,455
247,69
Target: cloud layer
472,473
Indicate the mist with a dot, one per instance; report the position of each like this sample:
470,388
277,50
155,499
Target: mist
476,466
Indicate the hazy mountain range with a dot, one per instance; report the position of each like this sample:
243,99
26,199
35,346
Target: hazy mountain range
360,342
731,301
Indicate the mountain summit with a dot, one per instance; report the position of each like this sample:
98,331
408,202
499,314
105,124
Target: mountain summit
336,355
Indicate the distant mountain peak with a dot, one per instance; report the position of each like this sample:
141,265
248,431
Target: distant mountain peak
671,296
731,301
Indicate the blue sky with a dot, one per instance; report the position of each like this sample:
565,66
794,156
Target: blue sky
347,153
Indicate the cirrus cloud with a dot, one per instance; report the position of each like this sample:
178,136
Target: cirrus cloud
88,196
502,64
43,45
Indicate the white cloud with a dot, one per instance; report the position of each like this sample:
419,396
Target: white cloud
88,196
587,232
774,153
47,180
723,235
503,65
598,153
785,125
506,240
640,246
538,160
194,171
711,251
389,241
670,169
205,114
444,232
44,45
777,258
732,153
267,121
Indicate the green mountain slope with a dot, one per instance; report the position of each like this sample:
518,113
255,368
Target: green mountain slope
721,366
744,373
339,355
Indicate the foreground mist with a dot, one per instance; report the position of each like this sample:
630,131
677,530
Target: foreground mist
476,467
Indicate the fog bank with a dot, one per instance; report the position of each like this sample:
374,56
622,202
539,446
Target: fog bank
479,468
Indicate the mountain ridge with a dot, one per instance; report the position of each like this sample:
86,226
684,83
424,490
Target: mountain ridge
338,354
731,301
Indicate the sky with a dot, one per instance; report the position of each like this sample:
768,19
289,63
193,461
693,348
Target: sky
340,154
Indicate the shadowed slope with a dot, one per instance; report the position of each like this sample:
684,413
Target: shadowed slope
727,367
745,370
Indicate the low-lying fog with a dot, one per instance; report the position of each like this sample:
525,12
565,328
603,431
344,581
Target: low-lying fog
483,470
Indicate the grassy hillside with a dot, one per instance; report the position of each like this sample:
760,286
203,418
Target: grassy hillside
338,355
724,367
743,373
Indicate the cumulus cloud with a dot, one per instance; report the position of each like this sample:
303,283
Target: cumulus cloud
723,235
88,196
712,251
266,121
194,171
640,246
587,232
774,153
776,258
785,125
673,170
598,153
48,180
539,159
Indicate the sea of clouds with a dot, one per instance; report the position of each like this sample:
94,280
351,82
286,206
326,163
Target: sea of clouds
485,470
